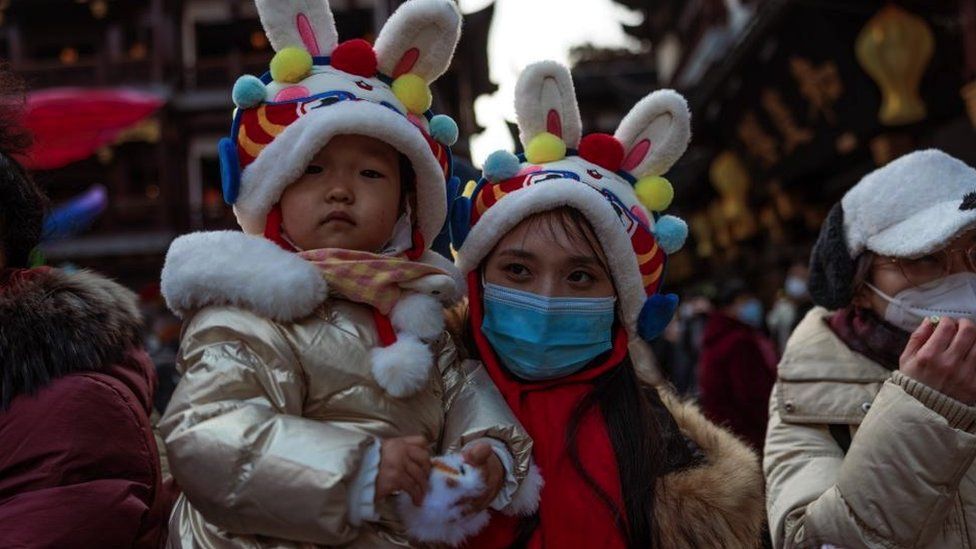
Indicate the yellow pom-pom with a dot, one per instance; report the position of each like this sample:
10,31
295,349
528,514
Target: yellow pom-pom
291,65
545,147
655,193
413,92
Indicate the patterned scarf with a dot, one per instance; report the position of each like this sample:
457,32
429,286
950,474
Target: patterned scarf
865,333
368,278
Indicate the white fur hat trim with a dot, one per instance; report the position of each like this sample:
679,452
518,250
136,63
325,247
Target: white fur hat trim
402,368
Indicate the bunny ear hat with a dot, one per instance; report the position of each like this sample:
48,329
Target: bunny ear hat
613,180
318,88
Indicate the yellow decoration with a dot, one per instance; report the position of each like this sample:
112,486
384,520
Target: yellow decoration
291,65
545,147
894,48
655,193
731,216
413,92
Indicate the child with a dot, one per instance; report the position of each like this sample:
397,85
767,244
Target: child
317,378
565,250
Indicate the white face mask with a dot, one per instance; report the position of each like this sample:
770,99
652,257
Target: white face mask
953,296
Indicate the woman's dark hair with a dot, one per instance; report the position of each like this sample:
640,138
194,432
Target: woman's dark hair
862,271
22,204
644,437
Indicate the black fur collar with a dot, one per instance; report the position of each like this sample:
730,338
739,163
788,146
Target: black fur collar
53,323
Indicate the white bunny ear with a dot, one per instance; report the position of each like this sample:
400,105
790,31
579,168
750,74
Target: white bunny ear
655,133
306,24
419,38
545,101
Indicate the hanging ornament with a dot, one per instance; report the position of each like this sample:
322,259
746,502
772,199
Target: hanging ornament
895,47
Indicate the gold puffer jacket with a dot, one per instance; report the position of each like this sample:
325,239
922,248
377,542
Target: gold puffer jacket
272,418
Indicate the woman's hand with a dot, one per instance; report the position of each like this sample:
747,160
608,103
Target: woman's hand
404,466
943,356
482,457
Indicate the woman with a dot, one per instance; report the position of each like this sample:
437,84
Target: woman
78,462
872,430
563,271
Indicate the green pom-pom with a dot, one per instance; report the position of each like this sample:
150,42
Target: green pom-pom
249,91
444,129
291,65
655,193
545,147
413,92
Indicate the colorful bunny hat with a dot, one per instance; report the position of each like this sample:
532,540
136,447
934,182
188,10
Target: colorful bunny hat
614,181
317,89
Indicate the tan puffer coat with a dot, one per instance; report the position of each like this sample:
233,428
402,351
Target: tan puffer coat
272,418
907,479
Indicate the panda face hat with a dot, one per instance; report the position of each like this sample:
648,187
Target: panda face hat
317,89
614,181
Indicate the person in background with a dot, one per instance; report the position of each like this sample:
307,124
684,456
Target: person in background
792,304
79,466
872,430
737,365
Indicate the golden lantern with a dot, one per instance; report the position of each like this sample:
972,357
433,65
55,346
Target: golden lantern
895,47
731,179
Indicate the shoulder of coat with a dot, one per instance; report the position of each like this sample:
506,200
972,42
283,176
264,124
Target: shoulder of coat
232,268
814,352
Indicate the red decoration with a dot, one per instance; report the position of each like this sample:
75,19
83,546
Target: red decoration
355,56
70,124
603,150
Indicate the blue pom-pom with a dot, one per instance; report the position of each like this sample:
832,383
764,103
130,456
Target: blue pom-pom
501,165
671,233
655,315
230,170
248,92
460,221
444,130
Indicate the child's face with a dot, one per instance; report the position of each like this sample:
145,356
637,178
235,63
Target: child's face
548,254
349,197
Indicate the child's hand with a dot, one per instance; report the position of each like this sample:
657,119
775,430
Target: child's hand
482,457
404,466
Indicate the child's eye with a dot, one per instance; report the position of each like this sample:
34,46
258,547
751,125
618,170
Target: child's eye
312,169
371,174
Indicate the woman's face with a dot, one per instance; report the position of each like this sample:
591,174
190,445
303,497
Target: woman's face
550,254
892,275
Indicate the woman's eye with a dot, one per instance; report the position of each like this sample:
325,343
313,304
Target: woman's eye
581,277
312,169
516,269
371,174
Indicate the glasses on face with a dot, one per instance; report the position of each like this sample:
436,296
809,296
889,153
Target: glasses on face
936,265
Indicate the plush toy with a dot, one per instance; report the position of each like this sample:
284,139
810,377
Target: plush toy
441,517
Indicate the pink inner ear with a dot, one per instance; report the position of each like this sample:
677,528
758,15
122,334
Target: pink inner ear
407,62
553,124
636,155
307,34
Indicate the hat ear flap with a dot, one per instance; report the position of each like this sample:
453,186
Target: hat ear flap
832,268
305,24
419,38
545,102
655,133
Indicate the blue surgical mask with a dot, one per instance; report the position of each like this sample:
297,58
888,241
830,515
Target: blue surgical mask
751,312
538,337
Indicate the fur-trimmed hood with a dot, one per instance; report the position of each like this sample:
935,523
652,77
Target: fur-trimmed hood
718,503
53,323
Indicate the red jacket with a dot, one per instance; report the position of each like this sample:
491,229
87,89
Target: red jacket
736,372
79,465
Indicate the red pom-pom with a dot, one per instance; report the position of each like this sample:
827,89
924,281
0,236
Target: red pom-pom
355,56
603,150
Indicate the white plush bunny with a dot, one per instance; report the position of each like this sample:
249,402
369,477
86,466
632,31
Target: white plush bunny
441,517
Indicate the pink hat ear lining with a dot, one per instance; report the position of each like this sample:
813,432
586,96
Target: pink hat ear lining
636,155
305,30
406,62
554,124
